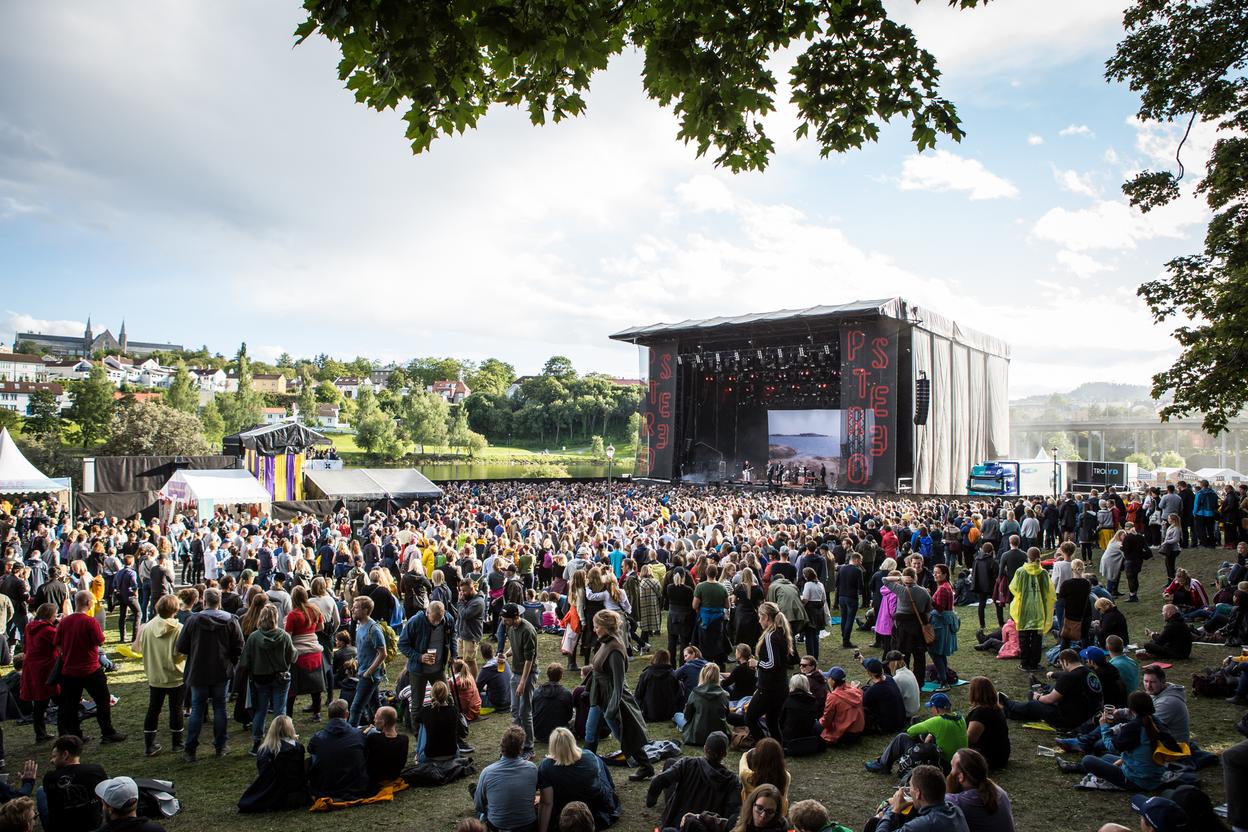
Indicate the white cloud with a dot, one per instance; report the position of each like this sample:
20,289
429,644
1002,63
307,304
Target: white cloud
1111,156
1115,226
1075,182
1081,265
1077,130
1034,140
705,193
15,322
945,171
11,207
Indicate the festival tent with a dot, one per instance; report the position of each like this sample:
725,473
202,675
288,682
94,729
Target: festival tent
208,489
374,486
1221,475
274,454
18,476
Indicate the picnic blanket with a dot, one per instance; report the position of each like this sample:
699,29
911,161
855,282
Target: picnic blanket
929,687
386,793
1039,726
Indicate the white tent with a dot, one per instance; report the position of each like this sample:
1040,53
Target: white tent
18,476
1220,475
208,489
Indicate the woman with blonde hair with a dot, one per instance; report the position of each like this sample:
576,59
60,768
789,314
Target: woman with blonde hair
706,709
567,775
281,782
774,647
746,598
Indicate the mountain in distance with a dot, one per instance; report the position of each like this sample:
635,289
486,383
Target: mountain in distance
1095,392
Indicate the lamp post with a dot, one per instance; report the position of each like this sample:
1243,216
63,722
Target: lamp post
610,463
1054,451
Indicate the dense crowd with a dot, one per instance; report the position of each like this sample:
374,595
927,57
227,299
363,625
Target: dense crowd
725,594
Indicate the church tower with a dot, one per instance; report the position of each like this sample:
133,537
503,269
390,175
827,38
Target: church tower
87,338
122,336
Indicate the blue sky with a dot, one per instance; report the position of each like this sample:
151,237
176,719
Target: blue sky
181,166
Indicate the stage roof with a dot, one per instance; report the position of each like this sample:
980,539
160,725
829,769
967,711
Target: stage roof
898,308
281,438
374,484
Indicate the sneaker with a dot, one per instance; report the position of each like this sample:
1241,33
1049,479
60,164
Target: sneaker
222,751
113,737
1067,767
465,748
188,756
642,774
876,767
527,755
1068,744
1132,599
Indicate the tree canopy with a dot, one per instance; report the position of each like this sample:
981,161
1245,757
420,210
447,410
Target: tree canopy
1187,58
447,63
150,428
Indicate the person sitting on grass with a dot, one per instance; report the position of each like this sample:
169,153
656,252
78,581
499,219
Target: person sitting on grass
706,709
120,797
799,719
63,786
985,805
503,797
843,718
945,727
931,813
1157,814
337,767
552,704
882,703
281,782
493,681
694,785
18,815
812,816
385,749
1133,767
1074,698
1173,642
658,689
576,817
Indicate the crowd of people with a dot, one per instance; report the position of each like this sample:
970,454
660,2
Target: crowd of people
725,595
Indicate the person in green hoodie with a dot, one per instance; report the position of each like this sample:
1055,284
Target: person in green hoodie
706,710
1032,608
946,727
163,665
267,658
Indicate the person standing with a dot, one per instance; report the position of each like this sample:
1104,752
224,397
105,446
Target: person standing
39,646
428,642
774,647
163,665
850,582
212,642
1032,609
370,654
125,590
78,641
523,638
914,605
1171,544
469,622
609,691
267,657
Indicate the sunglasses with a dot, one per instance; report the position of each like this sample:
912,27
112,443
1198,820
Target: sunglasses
766,812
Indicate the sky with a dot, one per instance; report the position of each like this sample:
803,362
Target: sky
183,167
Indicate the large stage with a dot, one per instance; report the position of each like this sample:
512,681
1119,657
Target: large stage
823,398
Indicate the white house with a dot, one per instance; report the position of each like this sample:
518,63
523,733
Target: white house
16,395
453,392
514,387
210,380
16,366
327,416
274,415
71,369
350,387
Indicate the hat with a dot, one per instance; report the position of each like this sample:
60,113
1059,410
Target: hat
1092,654
1161,814
894,656
873,666
122,791
938,700
511,611
836,672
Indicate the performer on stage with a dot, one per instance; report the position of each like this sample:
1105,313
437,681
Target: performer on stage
747,472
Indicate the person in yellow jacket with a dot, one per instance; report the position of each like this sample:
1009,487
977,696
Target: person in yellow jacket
163,665
1032,608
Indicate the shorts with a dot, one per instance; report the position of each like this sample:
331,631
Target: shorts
468,650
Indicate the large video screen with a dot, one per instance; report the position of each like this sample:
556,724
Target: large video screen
805,445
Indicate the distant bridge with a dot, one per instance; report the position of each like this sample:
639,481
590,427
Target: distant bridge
1027,438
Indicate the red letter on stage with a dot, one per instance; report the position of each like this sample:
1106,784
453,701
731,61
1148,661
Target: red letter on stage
880,360
857,338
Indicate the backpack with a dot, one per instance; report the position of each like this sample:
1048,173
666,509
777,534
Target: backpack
392,641
920,754
1212,683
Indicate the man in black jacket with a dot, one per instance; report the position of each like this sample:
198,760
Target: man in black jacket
552,704
336,764
698,784
69,788
1173,642
212,642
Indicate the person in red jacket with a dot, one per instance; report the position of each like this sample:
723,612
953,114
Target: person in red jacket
78,641
843,714
38,657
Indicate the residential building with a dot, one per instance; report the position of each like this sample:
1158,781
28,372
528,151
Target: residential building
16,366
515,386
88,344
274,415
327,416
453,392
70,369
268,383
16,395
350,386
210,380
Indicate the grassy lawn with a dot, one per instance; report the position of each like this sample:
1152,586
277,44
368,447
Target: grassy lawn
1043,798
346,445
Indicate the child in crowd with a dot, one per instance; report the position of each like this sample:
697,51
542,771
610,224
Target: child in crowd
549,611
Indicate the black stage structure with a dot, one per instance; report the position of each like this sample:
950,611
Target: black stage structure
826,397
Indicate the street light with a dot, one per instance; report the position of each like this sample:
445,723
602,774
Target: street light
610,462
1054,450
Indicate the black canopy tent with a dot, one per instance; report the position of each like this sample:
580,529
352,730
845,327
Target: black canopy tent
271,440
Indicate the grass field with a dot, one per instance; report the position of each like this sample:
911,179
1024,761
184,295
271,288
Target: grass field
345,444
1043,798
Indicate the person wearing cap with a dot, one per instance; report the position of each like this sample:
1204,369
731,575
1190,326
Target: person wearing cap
523,639
697,784
1113,691
120,796
882,702
844,718
903,676
1157,814
945,727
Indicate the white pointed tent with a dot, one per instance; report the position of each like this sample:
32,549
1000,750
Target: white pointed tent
18,476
